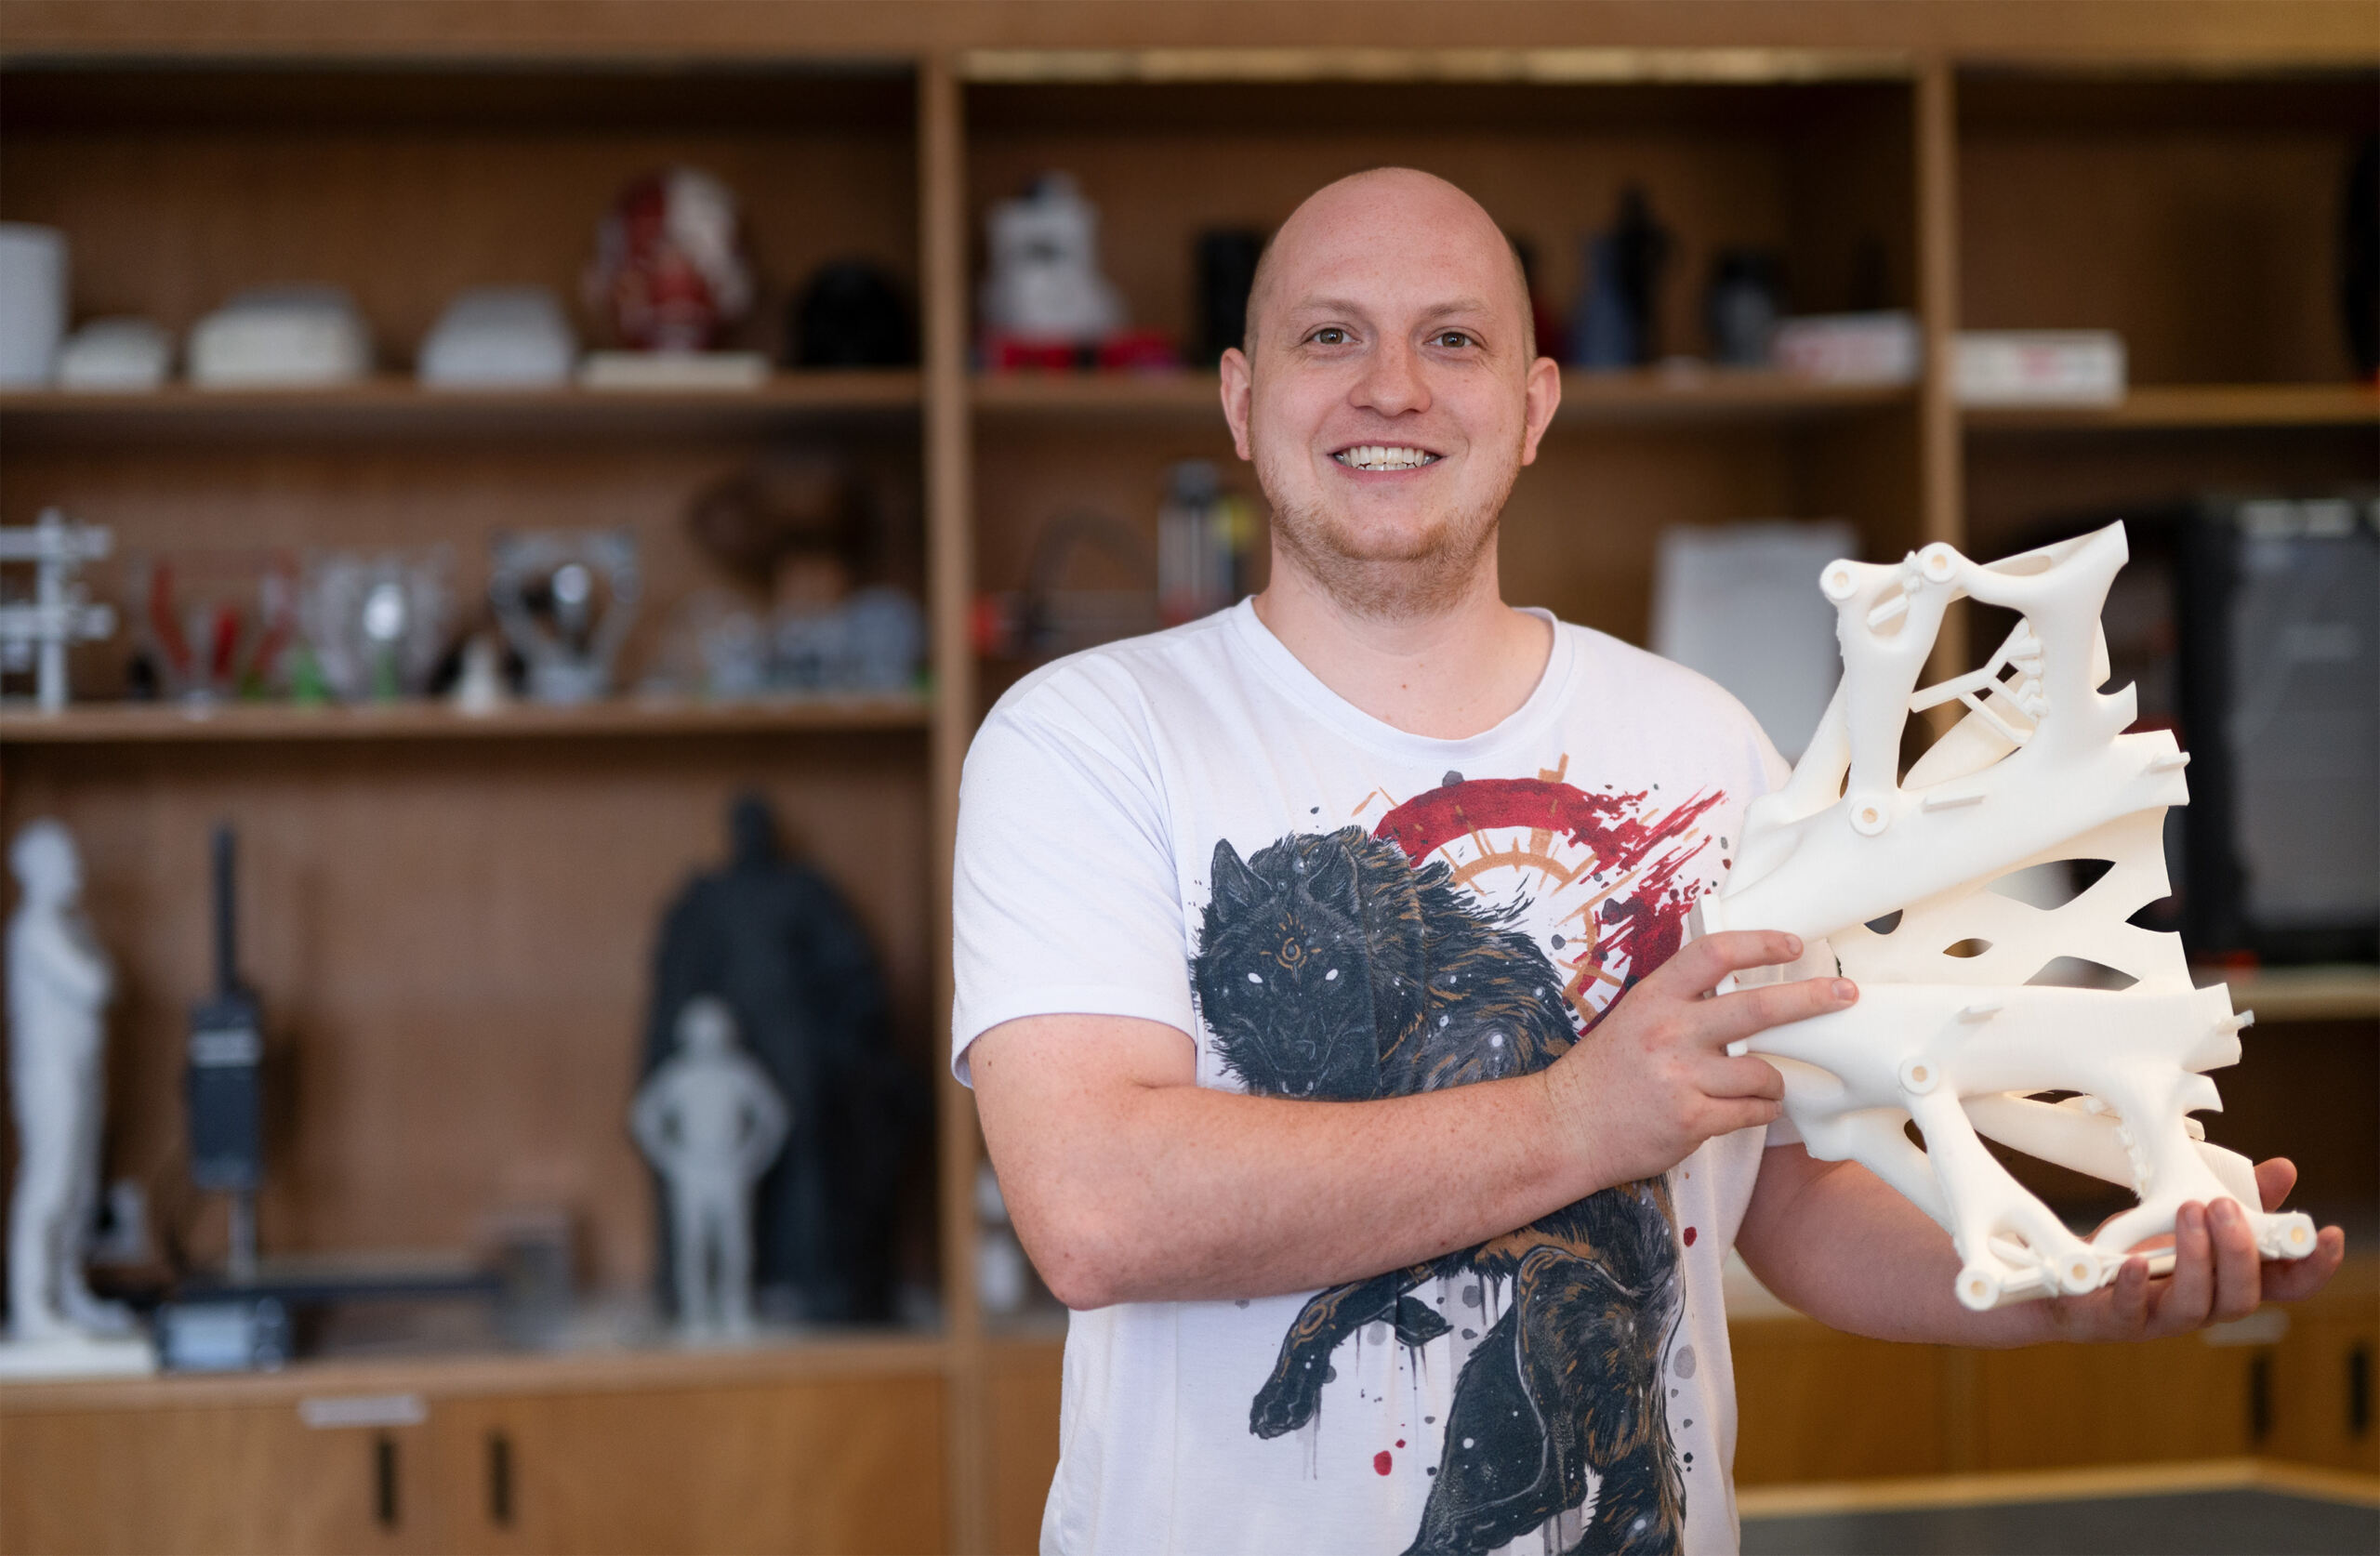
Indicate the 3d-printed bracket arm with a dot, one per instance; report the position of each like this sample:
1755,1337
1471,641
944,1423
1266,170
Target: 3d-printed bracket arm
1963,1016
1969,1069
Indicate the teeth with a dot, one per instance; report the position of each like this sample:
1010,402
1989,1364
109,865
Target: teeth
1383,456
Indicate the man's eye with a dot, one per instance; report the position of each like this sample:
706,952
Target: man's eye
1329,334
1456,339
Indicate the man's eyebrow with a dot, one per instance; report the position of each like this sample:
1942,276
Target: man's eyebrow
1435,311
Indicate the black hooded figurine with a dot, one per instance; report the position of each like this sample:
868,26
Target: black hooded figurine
776,941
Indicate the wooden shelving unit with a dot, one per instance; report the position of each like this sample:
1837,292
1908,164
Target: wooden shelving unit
1651,397
389,404
455,912
2178,407
2307,994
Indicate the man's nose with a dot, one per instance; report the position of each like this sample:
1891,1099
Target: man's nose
1392,382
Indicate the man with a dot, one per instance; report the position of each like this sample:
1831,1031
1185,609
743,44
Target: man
1274,935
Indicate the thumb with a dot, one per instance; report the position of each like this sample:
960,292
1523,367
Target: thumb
2275,1177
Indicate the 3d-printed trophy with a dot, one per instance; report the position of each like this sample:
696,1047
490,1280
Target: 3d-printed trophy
1926,885
378,623
545,589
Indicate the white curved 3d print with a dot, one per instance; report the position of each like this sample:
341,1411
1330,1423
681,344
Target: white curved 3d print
1985,980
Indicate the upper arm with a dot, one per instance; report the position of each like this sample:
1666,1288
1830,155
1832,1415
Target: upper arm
1065,891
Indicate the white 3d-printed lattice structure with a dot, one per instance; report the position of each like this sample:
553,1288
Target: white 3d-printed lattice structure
1943,893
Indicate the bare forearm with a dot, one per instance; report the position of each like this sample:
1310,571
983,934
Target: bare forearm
1837,1242
1211,1193
1128,1182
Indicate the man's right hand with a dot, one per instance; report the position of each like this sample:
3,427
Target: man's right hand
1653,1080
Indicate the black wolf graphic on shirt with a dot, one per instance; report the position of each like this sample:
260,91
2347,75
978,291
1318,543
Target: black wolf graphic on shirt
1331,967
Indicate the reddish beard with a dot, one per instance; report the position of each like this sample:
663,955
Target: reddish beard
1412,576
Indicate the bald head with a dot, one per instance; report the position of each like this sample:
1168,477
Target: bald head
1385,206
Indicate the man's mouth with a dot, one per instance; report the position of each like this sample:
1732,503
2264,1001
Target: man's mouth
1385,456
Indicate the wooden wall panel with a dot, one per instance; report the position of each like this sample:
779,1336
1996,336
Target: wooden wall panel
2211,250
452,947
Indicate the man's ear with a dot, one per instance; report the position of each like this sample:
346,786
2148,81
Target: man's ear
1237,380
1543,396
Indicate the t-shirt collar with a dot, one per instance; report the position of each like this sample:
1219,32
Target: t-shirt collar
1551,693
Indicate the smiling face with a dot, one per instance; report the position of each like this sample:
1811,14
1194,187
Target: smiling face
1389,393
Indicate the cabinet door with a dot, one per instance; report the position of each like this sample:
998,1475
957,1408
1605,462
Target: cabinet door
2058,1406
249,1477
837,1465
1815,1404
1023,1382
2322,1385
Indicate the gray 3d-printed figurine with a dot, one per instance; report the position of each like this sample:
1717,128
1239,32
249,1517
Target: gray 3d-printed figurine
59,986
775,938
711,1122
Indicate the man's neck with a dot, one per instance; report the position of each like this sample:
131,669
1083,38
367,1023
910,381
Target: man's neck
1450,674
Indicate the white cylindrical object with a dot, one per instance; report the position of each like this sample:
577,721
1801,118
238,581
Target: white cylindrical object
32,303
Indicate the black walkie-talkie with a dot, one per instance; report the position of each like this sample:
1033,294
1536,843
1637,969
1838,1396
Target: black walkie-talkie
226,1063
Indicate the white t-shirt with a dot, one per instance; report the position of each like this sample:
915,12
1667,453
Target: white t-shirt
1191,828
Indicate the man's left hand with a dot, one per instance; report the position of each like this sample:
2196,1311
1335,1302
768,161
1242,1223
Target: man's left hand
2217,1274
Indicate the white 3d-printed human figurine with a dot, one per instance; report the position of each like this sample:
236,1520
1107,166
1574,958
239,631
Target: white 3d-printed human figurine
1930,888
59,986
711,1122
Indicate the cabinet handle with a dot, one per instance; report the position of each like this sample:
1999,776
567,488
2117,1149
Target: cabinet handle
2259,1399
2358,1391
499,1480
384,1480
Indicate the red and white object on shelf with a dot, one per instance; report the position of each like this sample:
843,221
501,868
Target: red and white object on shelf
1849,348
2040,367
669,272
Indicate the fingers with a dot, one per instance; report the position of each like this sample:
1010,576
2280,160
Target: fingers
1724,1117
2275,1177
1698,967
2188,1293
2291,1280
1744,1077
1746,1011
2128,1297
2238,1285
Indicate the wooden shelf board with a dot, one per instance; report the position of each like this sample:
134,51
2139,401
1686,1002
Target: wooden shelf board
767,1361
1714,395
123,723
2182,406
1654,395
393,402
2306,994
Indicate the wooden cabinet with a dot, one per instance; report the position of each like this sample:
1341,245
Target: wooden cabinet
837,1450
212,1478
848,1466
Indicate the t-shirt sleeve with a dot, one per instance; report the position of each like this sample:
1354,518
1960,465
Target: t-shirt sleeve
1063,894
